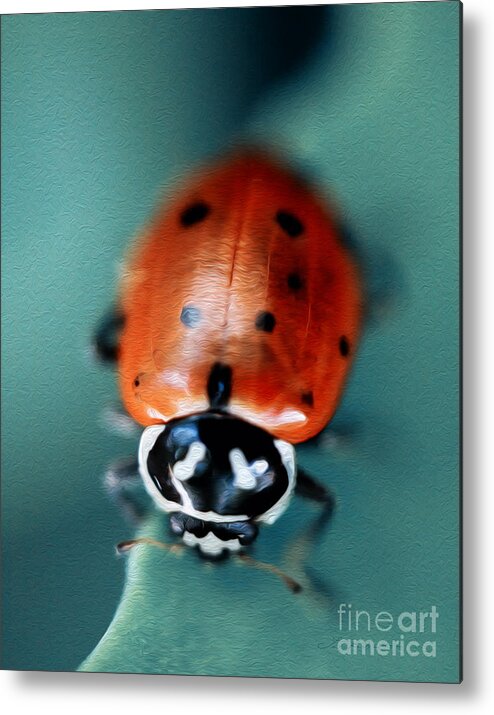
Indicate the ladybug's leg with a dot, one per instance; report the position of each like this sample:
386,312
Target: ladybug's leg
124,485
107,335
336,438
298,553
308,488
118,422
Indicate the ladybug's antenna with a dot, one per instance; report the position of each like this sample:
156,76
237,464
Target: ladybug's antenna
290,582
124,546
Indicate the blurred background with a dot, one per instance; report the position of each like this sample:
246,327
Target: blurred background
101,111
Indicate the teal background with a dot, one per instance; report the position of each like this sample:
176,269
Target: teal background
99,112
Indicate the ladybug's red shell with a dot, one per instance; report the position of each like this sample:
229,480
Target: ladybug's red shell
244,269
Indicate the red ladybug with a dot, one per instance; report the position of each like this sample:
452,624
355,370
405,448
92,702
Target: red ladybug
239,314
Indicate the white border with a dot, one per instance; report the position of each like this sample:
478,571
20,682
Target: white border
59,693
20,6
148,439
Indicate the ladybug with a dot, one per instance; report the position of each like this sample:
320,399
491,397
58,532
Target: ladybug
238,317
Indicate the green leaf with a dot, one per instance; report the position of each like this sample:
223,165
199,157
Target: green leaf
182,614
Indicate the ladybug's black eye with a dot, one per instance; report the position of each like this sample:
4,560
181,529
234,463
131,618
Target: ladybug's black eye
194,214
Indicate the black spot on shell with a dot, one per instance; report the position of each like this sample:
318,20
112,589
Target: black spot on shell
190,316
194,213
344,346
289,223
266,322
219,386
137,382
308,398
295,282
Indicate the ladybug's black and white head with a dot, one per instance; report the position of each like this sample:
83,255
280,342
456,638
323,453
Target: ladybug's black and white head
218,476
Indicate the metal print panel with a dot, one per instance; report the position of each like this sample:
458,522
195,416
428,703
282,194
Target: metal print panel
231,341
